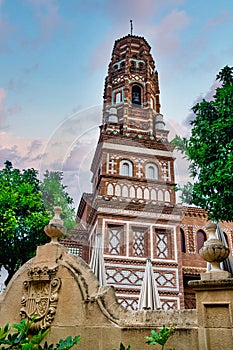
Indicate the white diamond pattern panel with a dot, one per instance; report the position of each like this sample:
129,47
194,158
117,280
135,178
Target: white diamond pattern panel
128,304
169,305
138,243
131,277
114,241
124,277
162,245
167,280
131,304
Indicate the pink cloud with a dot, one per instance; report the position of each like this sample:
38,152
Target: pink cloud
167,33
75,161
22,152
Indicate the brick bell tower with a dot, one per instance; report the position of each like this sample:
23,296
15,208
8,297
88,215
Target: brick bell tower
133,199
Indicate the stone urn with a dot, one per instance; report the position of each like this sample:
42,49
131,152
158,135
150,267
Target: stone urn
55,228
213,250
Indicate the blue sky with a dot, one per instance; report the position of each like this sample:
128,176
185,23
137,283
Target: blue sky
53,61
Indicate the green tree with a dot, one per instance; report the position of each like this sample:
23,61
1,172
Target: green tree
210,150
22,217
54,193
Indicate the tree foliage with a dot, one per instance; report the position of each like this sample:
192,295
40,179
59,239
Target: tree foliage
54,193
210,150
22,217
186,192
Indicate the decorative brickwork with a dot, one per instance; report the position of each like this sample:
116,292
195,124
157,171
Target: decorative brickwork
133,203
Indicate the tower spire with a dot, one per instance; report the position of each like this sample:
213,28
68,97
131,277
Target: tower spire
131,27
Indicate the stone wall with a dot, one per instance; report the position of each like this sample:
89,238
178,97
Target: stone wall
79,307
63,290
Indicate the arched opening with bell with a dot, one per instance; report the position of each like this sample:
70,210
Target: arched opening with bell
136,95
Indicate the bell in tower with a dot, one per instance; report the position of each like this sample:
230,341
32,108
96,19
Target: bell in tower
136,95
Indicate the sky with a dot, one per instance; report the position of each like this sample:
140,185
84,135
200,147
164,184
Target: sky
54,56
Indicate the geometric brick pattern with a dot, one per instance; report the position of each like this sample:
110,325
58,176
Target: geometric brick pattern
131,303
169,305
138,243
162,245
128,277
128,303
123,276
114,244
140,192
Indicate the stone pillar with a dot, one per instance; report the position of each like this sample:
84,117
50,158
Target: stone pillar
214,297
214,300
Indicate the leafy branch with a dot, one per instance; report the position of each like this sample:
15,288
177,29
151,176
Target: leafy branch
19,337
160,337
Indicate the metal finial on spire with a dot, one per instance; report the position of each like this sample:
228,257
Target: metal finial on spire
131,27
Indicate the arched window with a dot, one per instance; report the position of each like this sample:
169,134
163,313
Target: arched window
132,192
152,171
118,98
139,192
160,195
126,168
110,190
146,194
153,195
182,241
125,191
136,95
167,196
117,190
201,238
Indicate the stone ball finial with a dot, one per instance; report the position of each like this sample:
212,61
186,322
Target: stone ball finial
55,228
213,250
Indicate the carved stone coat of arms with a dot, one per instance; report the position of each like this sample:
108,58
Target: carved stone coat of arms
40,296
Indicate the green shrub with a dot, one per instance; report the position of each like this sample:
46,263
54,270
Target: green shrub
19,337
160,337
